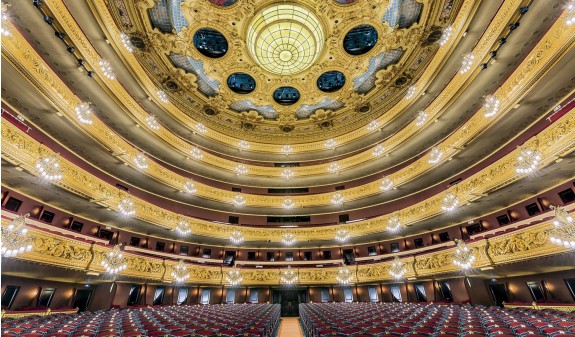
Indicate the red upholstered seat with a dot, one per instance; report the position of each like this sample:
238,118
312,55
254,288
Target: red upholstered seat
57,334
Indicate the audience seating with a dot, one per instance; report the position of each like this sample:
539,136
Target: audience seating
411,320
229,320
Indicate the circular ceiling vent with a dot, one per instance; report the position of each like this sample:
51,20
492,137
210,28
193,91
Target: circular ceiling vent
285,39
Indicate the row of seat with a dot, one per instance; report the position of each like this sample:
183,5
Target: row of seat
229,320
424,320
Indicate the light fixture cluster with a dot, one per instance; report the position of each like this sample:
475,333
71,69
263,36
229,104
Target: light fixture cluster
491,106
563,231
152,122
4,17
421,118
337,199
435,155
141,161
344,276
288,276
125,38
378,150
330,143
288,203
342,235
243,145
397,269
238,200
450,202
163,96
463,256
372,126
287,149
410,92
466,63
288,239
196,153
234,277
127,207
201,128
84,113
241,169
183,228
180,272
528,160
333,167
49,167
287,173
445,35
386,184
114,262
570,20
15,239
106,69
394,224
236,237
189,187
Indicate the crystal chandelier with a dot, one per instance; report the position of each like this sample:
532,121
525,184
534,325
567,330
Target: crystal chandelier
397,269
435,155
288,203
190,187
127,207
527,161
288,276
287,173
126,42
450,202
107,70
341,235
84,113
114,261
49,167
163,96
445,36
563,232
152,122
337,199
378,150
233,276
238,200
288,239
141,161
330,143
386,184
421,118
372,126
344,276
183,228
196,153
241,169
236,237
243,145
15,239
180,272
463,257
287,149
466,63
571,13
491,106
4,20
333,167
393,224
201,128
410,92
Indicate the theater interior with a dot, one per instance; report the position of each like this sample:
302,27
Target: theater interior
285,168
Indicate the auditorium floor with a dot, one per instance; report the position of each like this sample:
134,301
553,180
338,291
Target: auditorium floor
290,327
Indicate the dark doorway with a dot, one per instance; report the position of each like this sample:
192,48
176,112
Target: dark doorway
82,299
499,292
289,300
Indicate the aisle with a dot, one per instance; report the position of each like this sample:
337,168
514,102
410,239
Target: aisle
290,327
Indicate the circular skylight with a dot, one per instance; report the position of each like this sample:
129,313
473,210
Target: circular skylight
285,39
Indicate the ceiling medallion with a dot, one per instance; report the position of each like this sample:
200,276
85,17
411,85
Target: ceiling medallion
285,39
